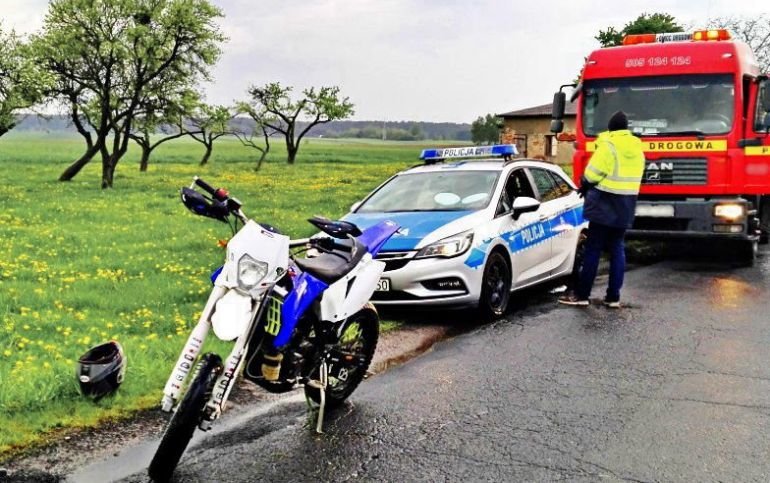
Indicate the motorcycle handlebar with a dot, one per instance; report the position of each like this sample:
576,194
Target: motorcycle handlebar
218,193
299,243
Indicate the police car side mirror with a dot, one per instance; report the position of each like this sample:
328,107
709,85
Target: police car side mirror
355,206
524,204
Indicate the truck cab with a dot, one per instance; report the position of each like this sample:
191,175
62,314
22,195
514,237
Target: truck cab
702,110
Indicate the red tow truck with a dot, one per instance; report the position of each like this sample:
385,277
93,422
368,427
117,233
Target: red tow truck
702,109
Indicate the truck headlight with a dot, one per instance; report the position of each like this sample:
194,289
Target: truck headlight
448,247
250,272
730,211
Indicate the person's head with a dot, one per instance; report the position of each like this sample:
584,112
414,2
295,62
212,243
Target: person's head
618,121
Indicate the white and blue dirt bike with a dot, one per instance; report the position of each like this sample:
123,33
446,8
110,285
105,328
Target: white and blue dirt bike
295,321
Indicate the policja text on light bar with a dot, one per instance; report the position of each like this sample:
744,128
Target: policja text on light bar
470,151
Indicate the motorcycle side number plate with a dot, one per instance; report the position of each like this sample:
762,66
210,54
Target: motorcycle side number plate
383,285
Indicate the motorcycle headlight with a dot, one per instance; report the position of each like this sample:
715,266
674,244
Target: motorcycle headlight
250,272
448,247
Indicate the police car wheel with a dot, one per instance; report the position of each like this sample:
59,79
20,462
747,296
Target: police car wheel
495,287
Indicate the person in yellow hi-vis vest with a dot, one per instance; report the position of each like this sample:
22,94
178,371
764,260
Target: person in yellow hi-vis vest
610,186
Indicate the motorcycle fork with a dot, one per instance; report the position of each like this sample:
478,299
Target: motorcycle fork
186,360
226,380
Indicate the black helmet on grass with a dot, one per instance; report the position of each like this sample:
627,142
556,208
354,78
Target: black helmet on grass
100,370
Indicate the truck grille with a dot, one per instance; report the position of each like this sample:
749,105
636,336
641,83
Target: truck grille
692,171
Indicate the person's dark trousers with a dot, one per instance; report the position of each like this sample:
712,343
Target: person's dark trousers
601,237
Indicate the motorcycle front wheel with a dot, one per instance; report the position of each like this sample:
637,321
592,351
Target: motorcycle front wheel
355,349
187,416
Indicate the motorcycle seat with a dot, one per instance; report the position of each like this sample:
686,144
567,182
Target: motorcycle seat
329,267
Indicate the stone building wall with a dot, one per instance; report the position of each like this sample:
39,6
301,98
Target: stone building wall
536,129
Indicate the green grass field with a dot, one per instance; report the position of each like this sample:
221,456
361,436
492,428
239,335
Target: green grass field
79,265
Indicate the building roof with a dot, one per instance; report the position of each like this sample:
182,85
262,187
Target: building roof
539,111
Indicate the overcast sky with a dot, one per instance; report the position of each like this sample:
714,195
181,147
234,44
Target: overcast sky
420,60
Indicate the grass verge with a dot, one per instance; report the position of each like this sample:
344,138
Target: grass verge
79,265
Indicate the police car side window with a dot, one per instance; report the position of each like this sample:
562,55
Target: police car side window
516,185
561,184
546,187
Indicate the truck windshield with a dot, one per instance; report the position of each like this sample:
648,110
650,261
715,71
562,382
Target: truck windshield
660,106
433,191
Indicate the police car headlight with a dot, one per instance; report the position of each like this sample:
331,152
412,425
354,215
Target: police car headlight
448,247
250,272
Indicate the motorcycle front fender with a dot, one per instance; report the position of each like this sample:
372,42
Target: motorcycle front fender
232,315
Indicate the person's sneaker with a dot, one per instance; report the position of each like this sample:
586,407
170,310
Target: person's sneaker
612,304
572,299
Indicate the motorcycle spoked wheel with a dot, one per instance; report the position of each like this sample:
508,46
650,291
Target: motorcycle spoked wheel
187,416
358,338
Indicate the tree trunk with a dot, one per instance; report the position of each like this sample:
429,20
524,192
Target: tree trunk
262,158
291,149
145,158
207,154
108,171
75,167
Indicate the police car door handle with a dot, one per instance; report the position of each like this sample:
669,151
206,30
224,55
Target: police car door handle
542,217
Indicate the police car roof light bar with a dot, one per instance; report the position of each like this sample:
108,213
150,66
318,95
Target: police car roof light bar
431,156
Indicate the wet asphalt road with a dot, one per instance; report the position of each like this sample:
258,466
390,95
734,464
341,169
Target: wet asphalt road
675,387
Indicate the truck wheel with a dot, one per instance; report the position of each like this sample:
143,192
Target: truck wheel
747,252
764,220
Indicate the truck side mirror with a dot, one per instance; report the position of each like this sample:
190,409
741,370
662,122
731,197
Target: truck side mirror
557,112
559,102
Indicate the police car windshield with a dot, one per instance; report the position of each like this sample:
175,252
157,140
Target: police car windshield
677,105
433,191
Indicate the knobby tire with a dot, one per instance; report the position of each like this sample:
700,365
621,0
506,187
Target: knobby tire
182,425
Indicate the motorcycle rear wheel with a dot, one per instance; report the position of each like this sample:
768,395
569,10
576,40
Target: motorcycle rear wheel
358,338
187,416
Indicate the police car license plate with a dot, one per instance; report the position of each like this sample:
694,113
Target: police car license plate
383,285
655,211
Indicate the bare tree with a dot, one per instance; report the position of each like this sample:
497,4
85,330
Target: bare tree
249,138
273,104
208,124
755,31
162,119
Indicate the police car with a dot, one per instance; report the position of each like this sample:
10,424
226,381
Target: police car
473,231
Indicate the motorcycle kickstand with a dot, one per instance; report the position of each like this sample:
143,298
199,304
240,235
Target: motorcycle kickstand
324,376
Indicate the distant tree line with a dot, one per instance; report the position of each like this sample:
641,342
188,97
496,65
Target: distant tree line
334,129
